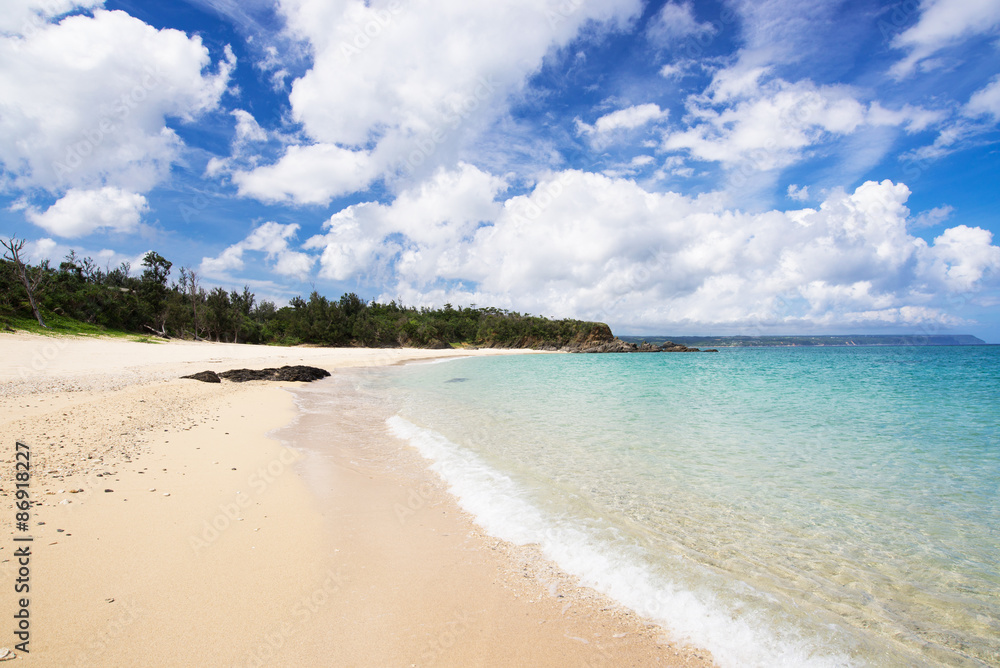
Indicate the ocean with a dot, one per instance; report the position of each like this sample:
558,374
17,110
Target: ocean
776,506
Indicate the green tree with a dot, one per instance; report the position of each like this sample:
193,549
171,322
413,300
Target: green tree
153,290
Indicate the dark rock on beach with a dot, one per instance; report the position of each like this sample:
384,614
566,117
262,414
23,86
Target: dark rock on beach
304,374
243,375
205,377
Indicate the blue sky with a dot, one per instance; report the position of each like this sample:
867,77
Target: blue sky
666,167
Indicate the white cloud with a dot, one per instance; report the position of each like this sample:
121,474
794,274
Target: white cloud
745,120
272,239
82,212
913,119
733,83
435,219
776,32
624,119
769,129
670,71
55,252
591,246
247,133
247,128
674,22
312,174
634,166
798,194
952,137
86,100
943,23
932,217
961,256
25,17
408,118
986,101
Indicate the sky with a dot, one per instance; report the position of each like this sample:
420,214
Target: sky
752,167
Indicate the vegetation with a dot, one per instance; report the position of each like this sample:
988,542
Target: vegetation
79,297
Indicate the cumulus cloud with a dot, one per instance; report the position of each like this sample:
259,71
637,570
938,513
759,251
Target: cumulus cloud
272,239
24,17
588,245
312,174
423,232
86,100
358,99
82,212
961,256
943,23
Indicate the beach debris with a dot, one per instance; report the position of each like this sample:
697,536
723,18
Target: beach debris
205,377
109,490
6,654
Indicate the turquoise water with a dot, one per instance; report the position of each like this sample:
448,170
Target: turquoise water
785,506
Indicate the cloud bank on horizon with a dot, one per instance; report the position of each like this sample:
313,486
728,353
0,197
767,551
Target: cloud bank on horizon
721,166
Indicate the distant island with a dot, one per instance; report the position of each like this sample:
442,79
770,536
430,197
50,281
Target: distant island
831,340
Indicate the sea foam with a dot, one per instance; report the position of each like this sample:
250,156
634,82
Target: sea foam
735,637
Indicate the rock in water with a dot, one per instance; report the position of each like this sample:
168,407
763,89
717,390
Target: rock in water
205,377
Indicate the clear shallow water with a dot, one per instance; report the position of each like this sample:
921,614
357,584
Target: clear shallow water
827,506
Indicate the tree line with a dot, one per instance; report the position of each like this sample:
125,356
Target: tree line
146,300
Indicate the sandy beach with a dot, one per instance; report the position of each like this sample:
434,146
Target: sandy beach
169,529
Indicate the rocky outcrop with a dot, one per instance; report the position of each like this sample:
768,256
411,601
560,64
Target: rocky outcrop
303,374
618,346
205,377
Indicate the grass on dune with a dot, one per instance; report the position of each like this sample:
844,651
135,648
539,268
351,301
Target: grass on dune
59,325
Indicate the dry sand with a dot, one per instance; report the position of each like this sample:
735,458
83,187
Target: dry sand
197,540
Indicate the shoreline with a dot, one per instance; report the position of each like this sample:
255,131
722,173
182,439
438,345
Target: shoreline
234,558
